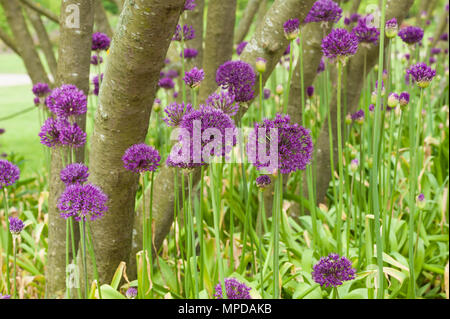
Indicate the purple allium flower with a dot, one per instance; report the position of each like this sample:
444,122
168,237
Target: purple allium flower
184,33
194,77
444,37
435,51
339,44
75,173
189,5
310,91
5,296
175,113
37,101
354,165
432,60
82,202
321,66
291,28
175,94
238,78
404,98
234,290
70,135
141,158
333,271
189,53
41,89
223,101
97,84
365,33
132,292
266,94
411,34
171,74
371,107
2,131
67,101
294,145
96,60
260,64
15,225
347,21
393,100
421,74
358,116
263,181
407,56
50,133
391,28
324,11
240,47
421,197
100,41
9,173
166,83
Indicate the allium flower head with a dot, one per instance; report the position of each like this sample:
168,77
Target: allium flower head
393,100
223,101
9,173
184,33
75,173
86,202
444,37
189,5
421,201
291,29
293,141
189,53
354,165
324,11
175,113
310,91
333,271
339,44
404,98
435,51
321,66
411,34
67,101
50,133
132,292
15,225
365,33
41,89
194,77
263,181
421,74
5,296
238,78
266,94
172,73
70,135
97,84
141,158
166,83
96,60
234,290
240,47
100,41
260,64
358,116
391,28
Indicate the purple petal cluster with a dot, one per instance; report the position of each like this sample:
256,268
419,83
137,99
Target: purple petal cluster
100,41
358,116
132,292
75,173
50,133
263,181
324,11
9,173
86,202
67,101
404,98
194,77
97,84
224,101
421,74
339,44
141,158
411,34
266,94
366,33
321,66
238,78
184,33
166,83
70,134
295,145
333,271
291,28
175,113
189,53
96,59
234,290
310,91
15,225
391,28
189,5
41,89
240,47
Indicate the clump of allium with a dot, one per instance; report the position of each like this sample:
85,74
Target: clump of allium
333,271
324,11
96,60
411,34
131,293
75,173
223,101
175,113
404,98
70,134
263,181
339,44
293,141
421,74
97,84
194,77
189,5
266,94
86,202
189,53
166,83
9,173
240,47
310,91
41,89
234,290
291,29
365,33
184,33
141,158
321,66
358,116
238,78
50,133
15,225
67,101
391,28
100,41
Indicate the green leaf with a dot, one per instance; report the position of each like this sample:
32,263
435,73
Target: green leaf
109,292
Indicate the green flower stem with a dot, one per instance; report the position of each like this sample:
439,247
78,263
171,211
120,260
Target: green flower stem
276,212
192,234
14,264
142,288
150,228
92,254
261,93
340,163
286,96
8,234
83,254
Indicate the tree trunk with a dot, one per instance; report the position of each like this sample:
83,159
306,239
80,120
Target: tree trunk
24,41
9,41
218,42
101,19
261,12
398,9
355,6
246,20
441,28
138,49
44,40
40,9
195,19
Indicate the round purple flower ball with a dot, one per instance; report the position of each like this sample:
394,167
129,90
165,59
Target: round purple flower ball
404,98
166,83
194,77
291,29
411,34
175,113
67,101
189,53
70,135
310,91
50,133
100,41
15,225
240,47
75,173
421,74
234,290
266,93
333,270
185,33
224,101
324,11
41,89
189,5
238,78
365,33
339,44
263,181
140,158
131,293
9,173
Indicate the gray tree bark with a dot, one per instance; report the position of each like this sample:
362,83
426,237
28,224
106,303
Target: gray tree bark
101,23
9,41
41,10
246,20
